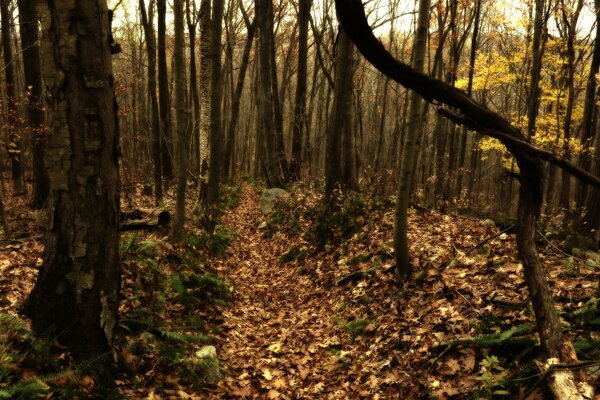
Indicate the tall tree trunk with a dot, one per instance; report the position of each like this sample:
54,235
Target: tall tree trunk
300,126
216,132
182,121
14,141
537,53
163,93
462,162
267,140
228,167
205,95
411,145
148,26
589,112
571,23
339,118
192,23
76,292
33,85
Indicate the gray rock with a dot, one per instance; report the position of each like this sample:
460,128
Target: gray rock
488,223
207,364
267,199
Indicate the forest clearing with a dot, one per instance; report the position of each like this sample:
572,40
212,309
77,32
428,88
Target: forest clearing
304,199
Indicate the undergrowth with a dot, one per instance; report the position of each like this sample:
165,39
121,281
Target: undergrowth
165,318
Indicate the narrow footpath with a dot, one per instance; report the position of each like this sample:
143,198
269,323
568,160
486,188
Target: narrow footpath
279,329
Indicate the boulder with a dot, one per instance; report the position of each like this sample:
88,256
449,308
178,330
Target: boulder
267,199
207,364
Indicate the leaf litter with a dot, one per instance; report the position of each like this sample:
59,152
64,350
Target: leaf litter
292,330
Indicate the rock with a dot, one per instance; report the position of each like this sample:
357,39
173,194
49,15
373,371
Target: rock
208,364
581,242
488,223
267,199
263,225
593,258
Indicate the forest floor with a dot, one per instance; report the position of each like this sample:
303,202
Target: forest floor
313,309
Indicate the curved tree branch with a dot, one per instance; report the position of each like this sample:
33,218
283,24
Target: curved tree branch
475,116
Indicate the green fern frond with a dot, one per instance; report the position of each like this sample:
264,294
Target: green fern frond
182,337
16,325
25,389
177,284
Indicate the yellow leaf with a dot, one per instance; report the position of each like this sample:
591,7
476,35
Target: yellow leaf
275,347
279,383
267,374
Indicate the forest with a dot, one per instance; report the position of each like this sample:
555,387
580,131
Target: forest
300,199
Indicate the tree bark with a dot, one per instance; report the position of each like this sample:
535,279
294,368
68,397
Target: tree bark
570,22
14,143
589,113
300,126
267,140
192,23
411,145
205,103
340,118
216,132
182,120
33,87
228,167
76,293
148,26
163,93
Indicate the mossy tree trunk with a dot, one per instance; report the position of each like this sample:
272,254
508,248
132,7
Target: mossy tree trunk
76,294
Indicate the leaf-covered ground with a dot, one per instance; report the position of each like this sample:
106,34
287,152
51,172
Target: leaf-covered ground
315,311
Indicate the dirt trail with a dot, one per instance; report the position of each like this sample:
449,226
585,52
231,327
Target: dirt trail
279,325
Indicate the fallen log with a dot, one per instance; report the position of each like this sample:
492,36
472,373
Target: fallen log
144,220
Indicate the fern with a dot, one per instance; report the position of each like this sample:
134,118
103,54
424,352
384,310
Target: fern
25,389
355,327
16,325
182,337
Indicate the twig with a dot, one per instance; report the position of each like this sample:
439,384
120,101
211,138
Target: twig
470,250
563,252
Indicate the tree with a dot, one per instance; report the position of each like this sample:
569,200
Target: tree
589,114
14,145
182,120
529,158
33,86
163,92
237,96
216,132
148,26
76,293
300,123
411,145
570,20
538,48
205,103
339,124
271,155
